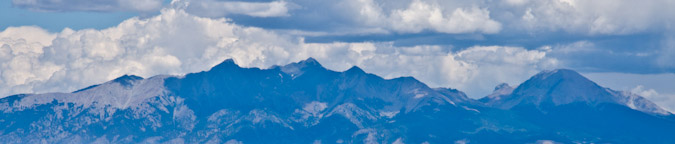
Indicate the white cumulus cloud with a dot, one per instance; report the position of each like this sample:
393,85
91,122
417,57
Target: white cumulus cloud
173,42
425,16
176,42
597,17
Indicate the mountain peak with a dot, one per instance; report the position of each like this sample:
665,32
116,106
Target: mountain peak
502,86
557,87
501,90
298,68
561,87
559,74
456,96
127,80
355,70
559,78
310,61
228,63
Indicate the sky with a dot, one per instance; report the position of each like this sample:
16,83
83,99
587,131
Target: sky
470,45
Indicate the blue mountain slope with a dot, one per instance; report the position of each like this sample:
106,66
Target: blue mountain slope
578,110
305,103
562,86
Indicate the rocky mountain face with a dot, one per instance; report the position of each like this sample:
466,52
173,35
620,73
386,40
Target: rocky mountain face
305,103
500,91
563,87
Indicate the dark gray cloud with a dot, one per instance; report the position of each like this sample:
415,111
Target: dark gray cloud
620,40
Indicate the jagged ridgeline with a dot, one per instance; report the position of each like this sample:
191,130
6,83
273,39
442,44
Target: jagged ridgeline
304,102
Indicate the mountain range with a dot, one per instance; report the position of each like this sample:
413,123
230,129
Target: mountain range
304,102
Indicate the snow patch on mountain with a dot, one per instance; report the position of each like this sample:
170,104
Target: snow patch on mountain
353,113
222,116
398,141
234,141
185,117
371,135
258,116
388,114
638,102
470,109
455,97
419,94
315,107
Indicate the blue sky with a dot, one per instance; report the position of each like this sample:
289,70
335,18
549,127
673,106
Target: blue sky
60,46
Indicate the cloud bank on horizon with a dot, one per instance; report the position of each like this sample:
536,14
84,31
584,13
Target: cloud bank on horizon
468,45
